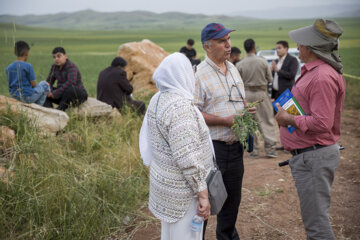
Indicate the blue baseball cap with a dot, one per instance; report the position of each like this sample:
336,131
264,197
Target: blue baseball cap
214,31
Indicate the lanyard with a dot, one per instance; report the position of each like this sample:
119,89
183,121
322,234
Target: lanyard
234,84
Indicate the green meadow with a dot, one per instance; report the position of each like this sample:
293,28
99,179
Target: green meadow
93,50
89,182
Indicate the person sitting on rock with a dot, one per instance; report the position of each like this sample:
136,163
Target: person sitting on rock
114,88
70,89
21,78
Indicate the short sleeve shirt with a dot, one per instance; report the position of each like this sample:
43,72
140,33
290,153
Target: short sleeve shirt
188,53
19,75
219,94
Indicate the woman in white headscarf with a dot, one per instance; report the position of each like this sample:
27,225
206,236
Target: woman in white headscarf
174,142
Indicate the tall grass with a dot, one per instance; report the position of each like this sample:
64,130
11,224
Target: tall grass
81,184
352,96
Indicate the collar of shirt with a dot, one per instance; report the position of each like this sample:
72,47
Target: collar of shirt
230,69
216,67
311,65
281,60
64,66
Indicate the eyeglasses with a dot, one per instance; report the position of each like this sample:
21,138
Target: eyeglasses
234,97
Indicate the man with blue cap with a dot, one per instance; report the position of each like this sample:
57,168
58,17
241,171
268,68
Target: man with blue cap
220,95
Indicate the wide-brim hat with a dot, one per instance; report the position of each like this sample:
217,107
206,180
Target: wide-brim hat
214,31
320,33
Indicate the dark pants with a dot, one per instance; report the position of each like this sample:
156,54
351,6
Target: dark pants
195,62
138,106
229,159
274,95
71,96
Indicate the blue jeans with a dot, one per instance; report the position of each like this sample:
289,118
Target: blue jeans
40,93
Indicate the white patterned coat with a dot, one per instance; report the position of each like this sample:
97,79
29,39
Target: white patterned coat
178,171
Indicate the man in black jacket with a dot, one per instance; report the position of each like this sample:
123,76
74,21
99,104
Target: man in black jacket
114,88
284,70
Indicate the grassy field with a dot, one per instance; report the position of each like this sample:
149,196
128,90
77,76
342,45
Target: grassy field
83,184
92,51
90,181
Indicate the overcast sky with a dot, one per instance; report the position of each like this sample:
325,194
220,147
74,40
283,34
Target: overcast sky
22,7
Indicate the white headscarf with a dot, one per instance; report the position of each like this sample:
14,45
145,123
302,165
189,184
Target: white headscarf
175,75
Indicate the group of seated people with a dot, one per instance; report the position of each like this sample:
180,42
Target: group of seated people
113,86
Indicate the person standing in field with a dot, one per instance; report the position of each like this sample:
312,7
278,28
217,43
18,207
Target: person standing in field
114,88
70,89
190,52
175,143
256,74
320,91
21,78
220,95
284,69
235,55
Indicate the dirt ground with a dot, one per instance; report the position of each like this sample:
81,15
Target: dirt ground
270,207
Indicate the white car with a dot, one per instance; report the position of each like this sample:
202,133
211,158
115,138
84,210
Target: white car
294,52
269,55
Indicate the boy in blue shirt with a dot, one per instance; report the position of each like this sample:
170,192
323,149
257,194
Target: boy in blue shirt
21,78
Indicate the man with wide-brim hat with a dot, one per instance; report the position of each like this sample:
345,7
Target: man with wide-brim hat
220,95
320,91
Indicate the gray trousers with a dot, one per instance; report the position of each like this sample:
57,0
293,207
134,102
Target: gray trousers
313,173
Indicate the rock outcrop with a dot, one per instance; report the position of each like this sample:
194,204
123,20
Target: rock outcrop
7,138
6,175
143,58
7,143
93,108
115,115
48,121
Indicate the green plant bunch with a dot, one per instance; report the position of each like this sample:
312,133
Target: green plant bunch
245,124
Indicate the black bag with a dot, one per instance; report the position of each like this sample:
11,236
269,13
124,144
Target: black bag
217,190
250,142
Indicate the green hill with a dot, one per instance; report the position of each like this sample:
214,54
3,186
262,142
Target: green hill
92,20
